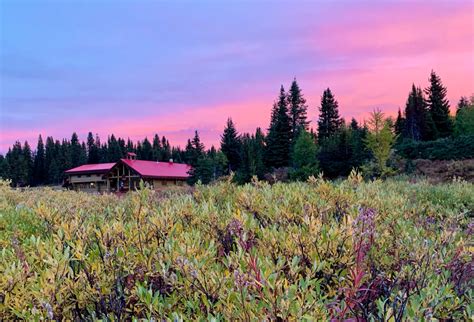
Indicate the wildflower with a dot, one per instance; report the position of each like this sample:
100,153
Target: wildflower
49,310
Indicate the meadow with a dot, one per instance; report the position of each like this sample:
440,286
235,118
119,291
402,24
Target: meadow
393,250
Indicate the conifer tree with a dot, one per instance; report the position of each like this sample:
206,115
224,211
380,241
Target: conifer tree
438,106
329,120
39,171
74,152
146,152
92,150
463,102
418,124
399,123
297,110
156,148
166,152
278,140
230,145
114,152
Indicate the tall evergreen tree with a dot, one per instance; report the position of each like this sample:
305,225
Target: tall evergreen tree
438,106
399,123
297,109
4,168
252,153
278,140
329,120
92,150
39,170
194,150
114,152
156,148
146,152
230,145
166,152
74,151
463,102
418,123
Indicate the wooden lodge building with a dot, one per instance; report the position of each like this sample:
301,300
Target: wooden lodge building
126,174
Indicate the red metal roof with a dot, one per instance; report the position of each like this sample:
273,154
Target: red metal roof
91,168
153,169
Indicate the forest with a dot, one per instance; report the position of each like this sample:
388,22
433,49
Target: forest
291,148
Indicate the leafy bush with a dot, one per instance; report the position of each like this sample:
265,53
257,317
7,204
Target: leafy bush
457,148
375,250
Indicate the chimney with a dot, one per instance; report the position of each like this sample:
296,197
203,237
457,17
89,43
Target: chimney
170,161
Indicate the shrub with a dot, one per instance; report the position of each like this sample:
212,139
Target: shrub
319,250
457,148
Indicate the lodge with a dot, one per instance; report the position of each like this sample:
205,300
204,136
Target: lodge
126,175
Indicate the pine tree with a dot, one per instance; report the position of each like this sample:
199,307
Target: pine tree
278,140
463,102
329,120
75,151
298,110
39,170
28,163
230,145
418,124
166,153
194,150
4,168
92,150
439,106
114,152
156,148
399,123
146,152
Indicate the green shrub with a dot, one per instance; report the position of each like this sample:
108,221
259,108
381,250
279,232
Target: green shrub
457,148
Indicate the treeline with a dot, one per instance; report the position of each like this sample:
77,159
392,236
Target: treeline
46,165
290,149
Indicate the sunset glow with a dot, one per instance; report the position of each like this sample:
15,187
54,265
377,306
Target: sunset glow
135,69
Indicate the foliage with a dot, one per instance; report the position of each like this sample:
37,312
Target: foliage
297,110
380,140
355,250
329,120
464,122
438,106
278,140
230,145
457,148
305,162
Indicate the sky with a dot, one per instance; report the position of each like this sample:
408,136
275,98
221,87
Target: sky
136,68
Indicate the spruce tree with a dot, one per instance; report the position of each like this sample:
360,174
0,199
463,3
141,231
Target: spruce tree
146,152
418,124
92,150
438,106
166,153
114,152
329,120
278,140
230,145
39,171
463,102
156,148
399,123
297,109
74,151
